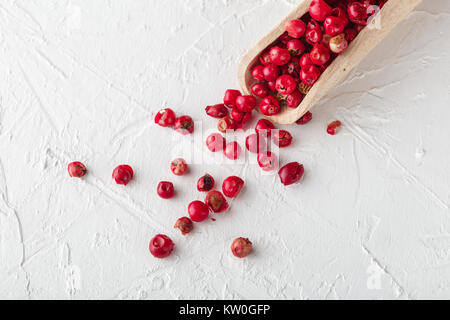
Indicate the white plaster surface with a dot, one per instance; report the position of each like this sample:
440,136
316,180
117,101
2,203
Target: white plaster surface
81,80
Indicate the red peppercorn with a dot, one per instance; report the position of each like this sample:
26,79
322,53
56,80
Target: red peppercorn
314,33
319,10
215,142
340,12
237,115
271,85
184,125
282,138
161,246
292,68
198,211
232,150
165,118
205,183
357,13
271,72
334,25
246,119
326,40
260,90
165,189
216,202
285,84
267,161
226,124
269,106
185,225
295,28
291,173
217,111
76,169
296,47
230,98
333,127
265,58
305,61
255,143
320,54
307,117
350,34
294,99
285,38
326,65
178,167
309,75
246,103
338,44
123,174
359,27
258,72
263,127
241,247
279,56
232,186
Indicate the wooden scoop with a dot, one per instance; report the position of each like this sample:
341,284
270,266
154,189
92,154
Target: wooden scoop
393,12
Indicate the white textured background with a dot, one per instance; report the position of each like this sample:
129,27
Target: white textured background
81,80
